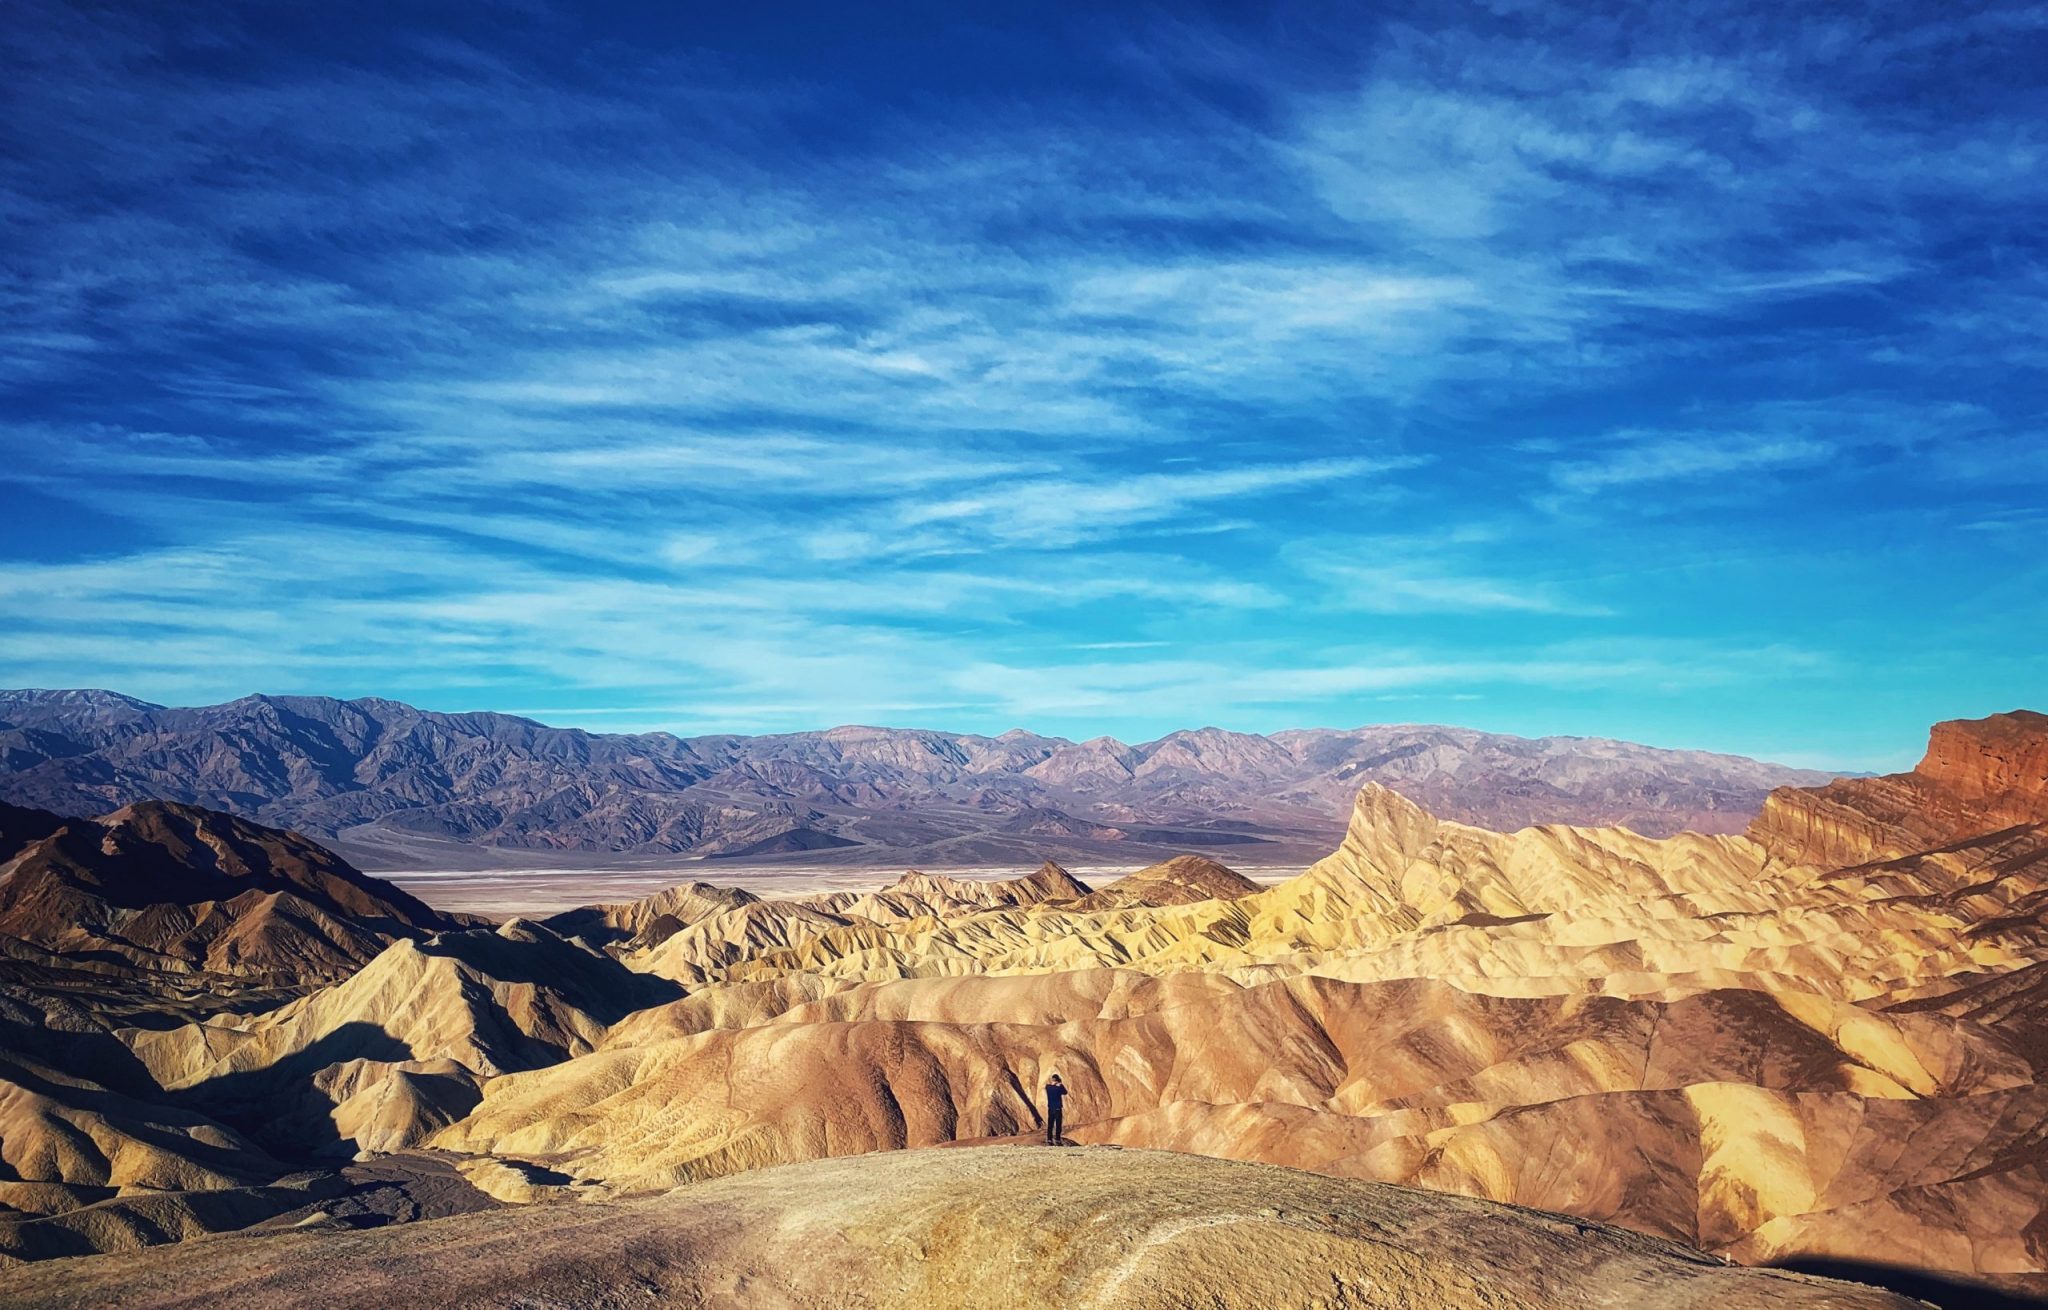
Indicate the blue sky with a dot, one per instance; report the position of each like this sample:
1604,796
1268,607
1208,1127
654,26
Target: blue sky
1670,372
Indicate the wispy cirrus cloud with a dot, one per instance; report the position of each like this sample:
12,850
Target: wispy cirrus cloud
1063,512
1437,572
1632,459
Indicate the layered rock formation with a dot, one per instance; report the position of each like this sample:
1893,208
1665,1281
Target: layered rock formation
402,786
961,1230
1979,776
722,937
1544,911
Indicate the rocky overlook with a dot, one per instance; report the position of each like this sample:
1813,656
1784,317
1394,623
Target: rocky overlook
987,1229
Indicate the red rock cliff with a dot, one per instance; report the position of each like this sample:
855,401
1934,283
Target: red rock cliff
1999,764
1979,776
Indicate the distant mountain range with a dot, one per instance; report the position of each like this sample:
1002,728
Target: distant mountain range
393,786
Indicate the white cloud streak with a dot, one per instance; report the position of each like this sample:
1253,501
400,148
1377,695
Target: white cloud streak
722,419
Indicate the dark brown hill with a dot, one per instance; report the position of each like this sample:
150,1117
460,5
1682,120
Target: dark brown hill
19,826
1182,880
163,888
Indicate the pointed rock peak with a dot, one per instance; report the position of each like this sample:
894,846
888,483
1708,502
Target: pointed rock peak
162,822
205,839
1052,882
1049,882
705,891
1381,813
919,883
1198,873
1182,880
155,810
1377,796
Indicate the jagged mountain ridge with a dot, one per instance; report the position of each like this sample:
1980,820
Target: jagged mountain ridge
394,786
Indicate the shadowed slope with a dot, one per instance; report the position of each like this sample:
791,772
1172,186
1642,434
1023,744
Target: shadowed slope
396,1051
84,1168
175,889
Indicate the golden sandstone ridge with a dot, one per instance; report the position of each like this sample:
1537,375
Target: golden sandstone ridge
1819,1044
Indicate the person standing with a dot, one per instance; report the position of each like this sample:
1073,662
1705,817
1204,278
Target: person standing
1055,1110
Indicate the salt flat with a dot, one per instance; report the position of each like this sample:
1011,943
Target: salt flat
503,893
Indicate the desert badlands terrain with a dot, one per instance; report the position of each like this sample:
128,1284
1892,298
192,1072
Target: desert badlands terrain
1563,1066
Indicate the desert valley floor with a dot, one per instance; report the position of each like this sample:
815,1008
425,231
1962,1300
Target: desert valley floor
538,893
1443,1066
